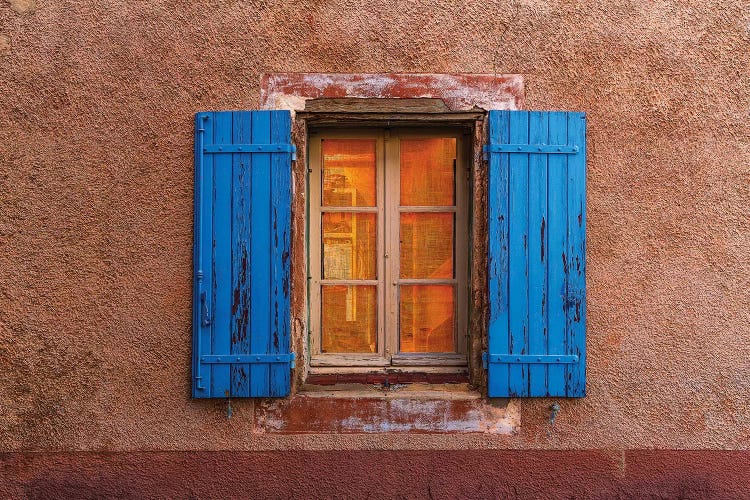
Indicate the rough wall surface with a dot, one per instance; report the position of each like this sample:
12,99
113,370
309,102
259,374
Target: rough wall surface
379,474
96,173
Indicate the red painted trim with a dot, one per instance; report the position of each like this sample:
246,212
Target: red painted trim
310,413
379,474
459,91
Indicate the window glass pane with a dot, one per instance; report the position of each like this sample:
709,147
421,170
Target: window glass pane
426,242
426,318
349,250
349,318
427,167
349,173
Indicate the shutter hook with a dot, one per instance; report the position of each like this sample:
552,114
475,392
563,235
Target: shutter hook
229,406
554,410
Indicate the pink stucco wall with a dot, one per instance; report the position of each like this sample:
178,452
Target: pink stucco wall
96,172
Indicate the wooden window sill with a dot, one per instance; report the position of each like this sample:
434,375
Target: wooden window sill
415,391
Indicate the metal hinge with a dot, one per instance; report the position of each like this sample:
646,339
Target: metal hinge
205,313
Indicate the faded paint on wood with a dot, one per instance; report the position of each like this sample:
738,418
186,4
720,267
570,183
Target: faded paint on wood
244,205
376,105
537,258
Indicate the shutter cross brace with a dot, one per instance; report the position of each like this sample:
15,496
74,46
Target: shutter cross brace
530,149
251,148
528,359
229,359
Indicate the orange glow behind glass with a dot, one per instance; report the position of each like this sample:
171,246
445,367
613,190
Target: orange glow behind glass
349,246
426,318
349,173
427,167
350,318
426,245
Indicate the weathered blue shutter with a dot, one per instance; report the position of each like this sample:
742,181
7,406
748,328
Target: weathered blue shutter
241,254
537,254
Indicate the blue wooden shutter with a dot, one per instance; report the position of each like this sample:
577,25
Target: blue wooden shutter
241,254
537,254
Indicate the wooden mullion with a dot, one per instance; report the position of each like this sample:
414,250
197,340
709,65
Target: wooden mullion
315,250
426,281
393,194
431,209
324,282
369,210
461,247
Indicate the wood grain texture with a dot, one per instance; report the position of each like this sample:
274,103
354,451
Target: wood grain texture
546,289
376,105
245,210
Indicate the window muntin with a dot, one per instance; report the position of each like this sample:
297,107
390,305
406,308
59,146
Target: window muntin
388,266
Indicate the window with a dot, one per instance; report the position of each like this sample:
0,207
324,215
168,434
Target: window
388,219
388,244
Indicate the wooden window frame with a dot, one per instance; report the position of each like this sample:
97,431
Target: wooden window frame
388,156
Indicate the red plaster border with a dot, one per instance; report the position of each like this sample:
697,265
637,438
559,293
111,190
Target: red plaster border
379,474
460,92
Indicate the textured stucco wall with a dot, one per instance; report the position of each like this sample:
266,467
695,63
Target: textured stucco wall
366,474
96,104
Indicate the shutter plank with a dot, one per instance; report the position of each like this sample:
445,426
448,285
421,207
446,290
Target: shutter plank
241,237
537,254
519,263
576,299
222,254
237,203
260,253
543,193
280,254
497,194
557,263
202,259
